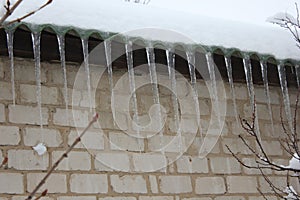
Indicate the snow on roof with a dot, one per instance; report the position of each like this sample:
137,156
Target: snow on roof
215,26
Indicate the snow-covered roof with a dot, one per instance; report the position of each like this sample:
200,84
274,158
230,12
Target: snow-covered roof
216,24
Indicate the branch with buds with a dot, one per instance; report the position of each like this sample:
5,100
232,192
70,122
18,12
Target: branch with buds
11,8
263,161
64,155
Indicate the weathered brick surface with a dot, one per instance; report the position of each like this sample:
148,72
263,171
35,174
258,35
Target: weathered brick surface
9,135
112,161
27,115
223,165
210,185
128,184
2,113
74,161
88,183
241,184
149,163
27,160
189,164
50,137
11,183
28,94
56,183
175,184
92,140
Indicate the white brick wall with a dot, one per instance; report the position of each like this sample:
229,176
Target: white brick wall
76,118
27,160
92,140
128,184
28,94
122,141
56,183
112,161
2,113
175,184
11,183
88,183
149,162
9,135
189,164
27,114
223,165
241,184
5,91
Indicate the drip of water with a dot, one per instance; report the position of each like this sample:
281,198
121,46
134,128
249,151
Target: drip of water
264,72
36,42
212,75
85,49
171,69
61,46
297,69
107,48
285,94
231,84
191,63
129,57
10,47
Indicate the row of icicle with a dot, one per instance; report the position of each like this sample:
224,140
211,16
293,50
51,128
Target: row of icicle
170,55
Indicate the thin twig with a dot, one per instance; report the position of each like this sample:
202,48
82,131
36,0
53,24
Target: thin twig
64,155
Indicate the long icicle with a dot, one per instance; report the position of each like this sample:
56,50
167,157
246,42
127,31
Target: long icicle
250,87
10,48
85,49
107,48
129,56
61,45
36,42
264,72
191,63
171,69
231,84
285,94
153,78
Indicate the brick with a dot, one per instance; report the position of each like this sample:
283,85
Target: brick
262,198
241,184
149,162
122,141
175,184
235,145
9,135
222,165
91,140
196,198
11,183
262,98
118,198
272,148
75,160
241,91
252,162
24,71
211,145
56,183
27,160
77,198
156,198
112,161
153,184
5,91
24,197
210,185
76,118
169,143
128,184
230,198
27,115
2,113
88,183
50,137
279,182
188,164
28,94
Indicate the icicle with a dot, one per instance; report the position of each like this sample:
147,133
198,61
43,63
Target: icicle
107,48
61,46
36,42
212,75
10,48
285,94
231,84
297,69
250,87
85,49
191,63
264,72
153,79
129,57
171,69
